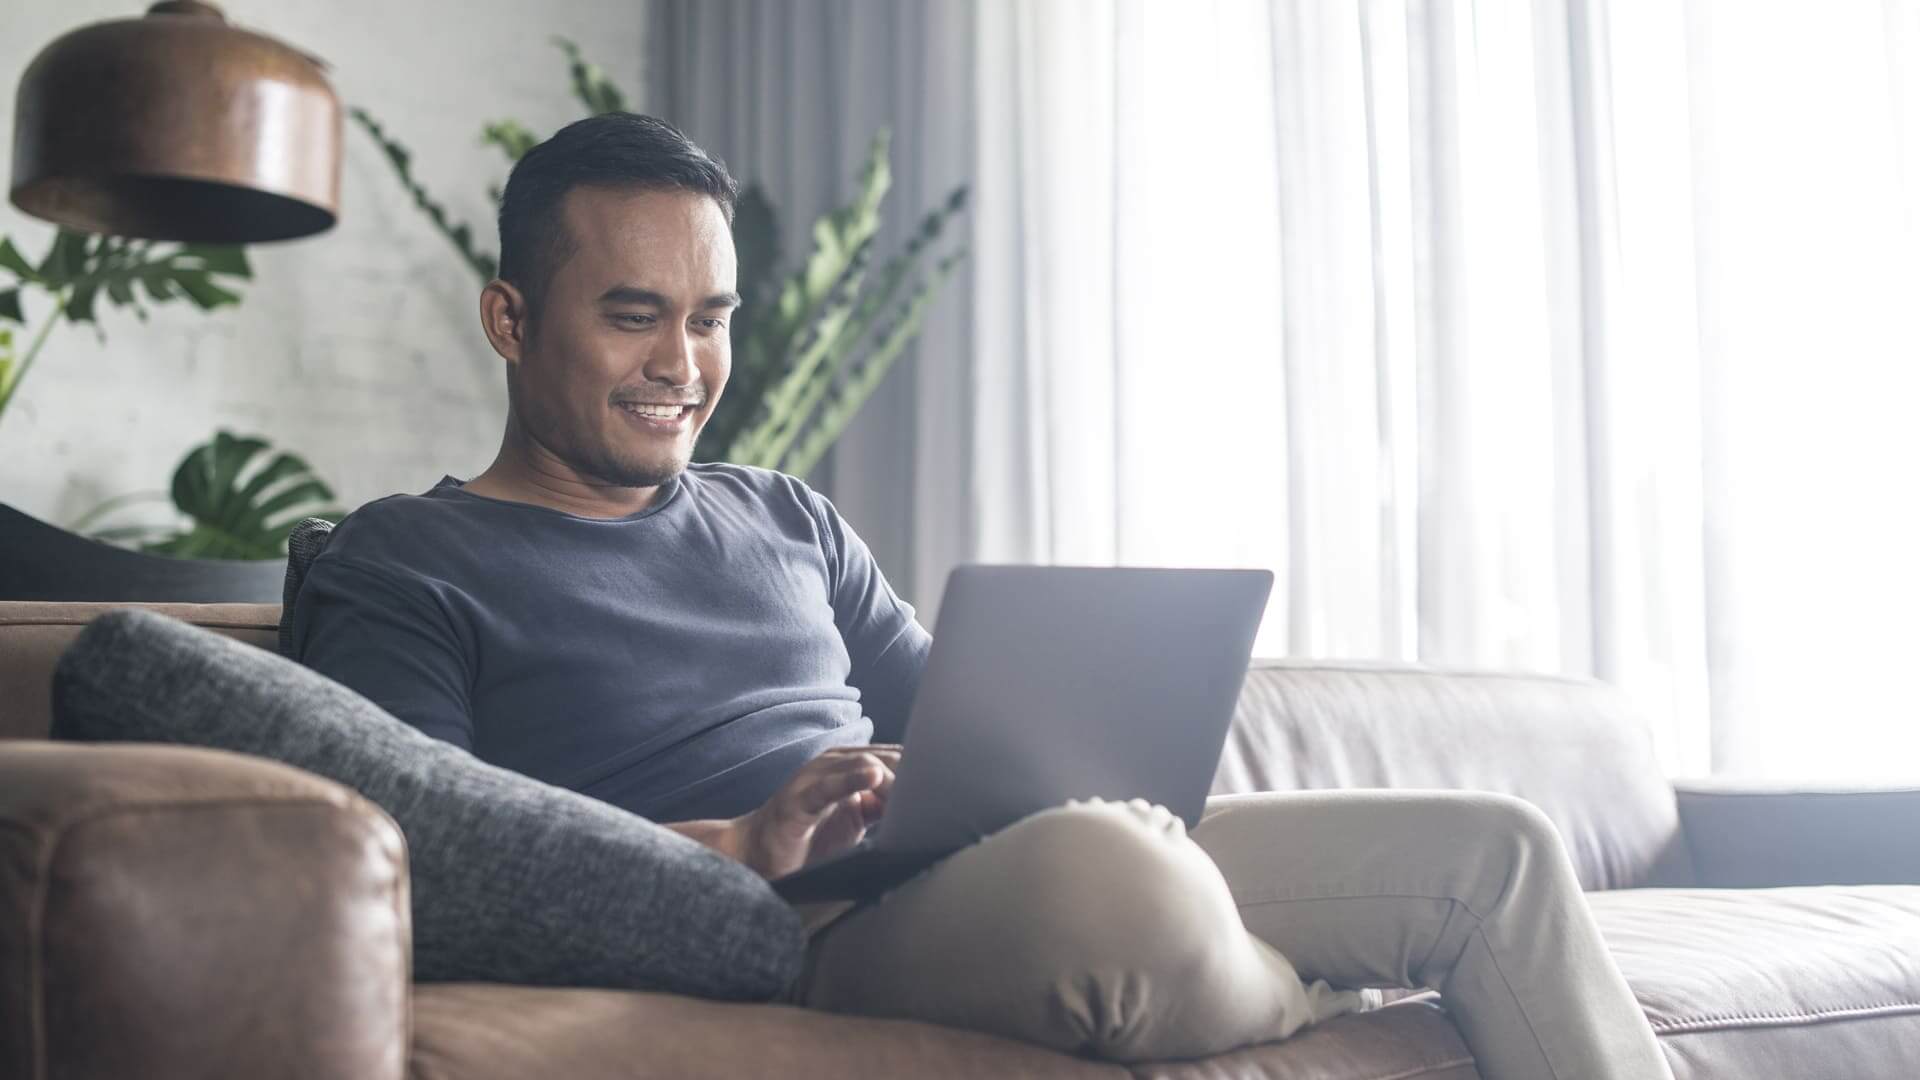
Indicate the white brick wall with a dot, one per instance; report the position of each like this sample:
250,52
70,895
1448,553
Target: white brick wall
358,349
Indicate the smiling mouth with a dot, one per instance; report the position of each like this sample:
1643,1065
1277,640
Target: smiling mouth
656,412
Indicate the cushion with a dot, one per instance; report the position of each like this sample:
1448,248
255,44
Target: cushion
512,1032
469,1032
1575,748
1796,982
513,880
305,542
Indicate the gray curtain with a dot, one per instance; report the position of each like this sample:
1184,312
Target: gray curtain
790,93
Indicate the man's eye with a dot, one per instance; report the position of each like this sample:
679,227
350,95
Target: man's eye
634,320
714,324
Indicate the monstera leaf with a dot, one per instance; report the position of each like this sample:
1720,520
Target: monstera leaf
241,497
82,268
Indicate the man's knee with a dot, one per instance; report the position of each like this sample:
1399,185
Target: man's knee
1513,823
1125,921
1512,842
1113,884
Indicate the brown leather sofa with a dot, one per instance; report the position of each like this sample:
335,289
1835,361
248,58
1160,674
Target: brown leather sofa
171,913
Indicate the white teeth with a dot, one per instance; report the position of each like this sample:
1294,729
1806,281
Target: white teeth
657,412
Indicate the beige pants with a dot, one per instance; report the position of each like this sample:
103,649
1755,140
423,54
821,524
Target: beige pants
1103,929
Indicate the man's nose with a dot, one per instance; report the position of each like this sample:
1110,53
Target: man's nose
671,361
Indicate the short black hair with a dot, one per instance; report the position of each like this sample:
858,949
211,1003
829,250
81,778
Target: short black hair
617,149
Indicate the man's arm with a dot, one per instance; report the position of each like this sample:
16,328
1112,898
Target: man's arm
387,640
887,645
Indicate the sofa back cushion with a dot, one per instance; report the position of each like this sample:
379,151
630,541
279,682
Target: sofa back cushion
1572,747
33,634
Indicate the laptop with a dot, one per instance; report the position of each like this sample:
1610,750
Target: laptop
1050,683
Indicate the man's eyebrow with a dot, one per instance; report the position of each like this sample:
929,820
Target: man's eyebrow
632,294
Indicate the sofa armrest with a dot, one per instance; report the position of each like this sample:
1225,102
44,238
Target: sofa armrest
171,912
1748,835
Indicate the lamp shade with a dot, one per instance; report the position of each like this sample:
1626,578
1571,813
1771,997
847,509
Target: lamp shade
177,126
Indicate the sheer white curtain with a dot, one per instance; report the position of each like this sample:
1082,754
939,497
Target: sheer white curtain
1323,288
1542,334
1805,167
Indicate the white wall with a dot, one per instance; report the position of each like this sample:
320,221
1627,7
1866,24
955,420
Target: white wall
359,348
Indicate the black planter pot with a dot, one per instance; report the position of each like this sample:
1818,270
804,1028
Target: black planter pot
39,561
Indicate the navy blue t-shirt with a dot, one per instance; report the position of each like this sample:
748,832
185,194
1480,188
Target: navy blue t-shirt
680,662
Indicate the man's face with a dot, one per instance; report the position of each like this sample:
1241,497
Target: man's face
628,352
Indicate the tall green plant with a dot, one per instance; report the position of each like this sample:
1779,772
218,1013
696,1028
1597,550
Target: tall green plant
810,347
80,270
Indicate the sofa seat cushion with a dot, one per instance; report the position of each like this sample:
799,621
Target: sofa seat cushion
1738,983
1411,1040
483,1031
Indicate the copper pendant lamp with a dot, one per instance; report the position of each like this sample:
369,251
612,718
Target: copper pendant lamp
177,126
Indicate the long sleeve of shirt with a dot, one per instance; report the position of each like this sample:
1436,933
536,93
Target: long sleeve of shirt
886,644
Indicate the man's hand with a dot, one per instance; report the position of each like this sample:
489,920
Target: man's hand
823,810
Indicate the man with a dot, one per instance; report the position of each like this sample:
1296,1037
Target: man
712,647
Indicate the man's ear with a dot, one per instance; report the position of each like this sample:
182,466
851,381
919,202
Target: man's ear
503,316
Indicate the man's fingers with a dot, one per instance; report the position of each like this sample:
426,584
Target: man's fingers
873,806
886,752
840,778
866,757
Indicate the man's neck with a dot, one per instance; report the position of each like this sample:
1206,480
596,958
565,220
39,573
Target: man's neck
525,472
